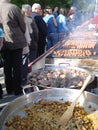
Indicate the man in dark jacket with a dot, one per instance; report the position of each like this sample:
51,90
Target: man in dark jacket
33,31
14,29
42,27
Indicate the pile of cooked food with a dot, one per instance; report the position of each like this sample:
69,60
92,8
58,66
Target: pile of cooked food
59,78
73,53
78,43
76,48
45,115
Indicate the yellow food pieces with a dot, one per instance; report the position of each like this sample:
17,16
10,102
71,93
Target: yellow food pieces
44,115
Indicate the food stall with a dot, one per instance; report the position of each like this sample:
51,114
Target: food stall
79,50
47,106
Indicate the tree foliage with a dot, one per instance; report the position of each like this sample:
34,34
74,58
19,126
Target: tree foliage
44,3
81,4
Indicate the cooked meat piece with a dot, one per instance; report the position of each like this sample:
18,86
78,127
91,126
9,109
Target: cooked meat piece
76,80
58,77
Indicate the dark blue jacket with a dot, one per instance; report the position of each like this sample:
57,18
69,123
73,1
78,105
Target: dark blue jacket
42,27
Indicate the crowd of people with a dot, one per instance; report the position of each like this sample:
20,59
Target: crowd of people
28,33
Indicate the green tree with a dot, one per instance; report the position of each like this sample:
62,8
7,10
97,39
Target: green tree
19,2
52,3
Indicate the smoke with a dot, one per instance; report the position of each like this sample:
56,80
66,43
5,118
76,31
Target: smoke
86,7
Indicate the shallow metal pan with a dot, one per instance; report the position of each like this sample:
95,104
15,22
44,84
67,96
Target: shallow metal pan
55,94
56,68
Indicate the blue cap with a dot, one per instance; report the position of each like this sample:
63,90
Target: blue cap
1,33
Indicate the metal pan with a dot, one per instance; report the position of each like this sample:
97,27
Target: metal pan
72,77
55,94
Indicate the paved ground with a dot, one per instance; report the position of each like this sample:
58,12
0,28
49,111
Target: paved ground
6,99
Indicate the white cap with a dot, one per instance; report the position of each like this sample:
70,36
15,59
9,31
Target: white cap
36,6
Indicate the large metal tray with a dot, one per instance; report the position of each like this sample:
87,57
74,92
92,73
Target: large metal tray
74,47
68,72
86,99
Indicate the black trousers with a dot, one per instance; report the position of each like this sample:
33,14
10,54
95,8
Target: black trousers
12,70
41,46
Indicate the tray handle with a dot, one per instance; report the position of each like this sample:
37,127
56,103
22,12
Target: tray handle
64,64
30,88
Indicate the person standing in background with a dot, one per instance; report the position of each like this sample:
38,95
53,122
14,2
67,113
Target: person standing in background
42,28
33,31
72,18
55,11
14,28
62,28
52,35
25,56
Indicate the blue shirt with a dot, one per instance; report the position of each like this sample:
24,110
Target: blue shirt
1,33
62,24
55,14
50,25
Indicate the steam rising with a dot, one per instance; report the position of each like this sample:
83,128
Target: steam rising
87,8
